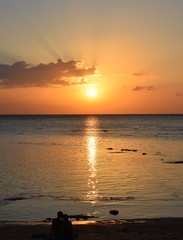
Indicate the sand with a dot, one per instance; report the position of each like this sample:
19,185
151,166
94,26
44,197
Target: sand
139,229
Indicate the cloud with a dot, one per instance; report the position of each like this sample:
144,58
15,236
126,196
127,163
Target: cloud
144,75
138,74
139,88
22,74
179,94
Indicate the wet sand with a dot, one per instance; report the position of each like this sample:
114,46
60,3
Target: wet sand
137,229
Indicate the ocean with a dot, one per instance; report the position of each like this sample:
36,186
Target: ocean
91,164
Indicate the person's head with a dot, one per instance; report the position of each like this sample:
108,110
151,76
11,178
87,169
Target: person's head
65,217
60,214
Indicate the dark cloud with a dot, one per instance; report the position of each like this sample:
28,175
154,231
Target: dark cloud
179,94
22,74
139,88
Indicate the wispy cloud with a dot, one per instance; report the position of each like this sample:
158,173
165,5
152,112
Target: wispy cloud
179,94
138,74
22,74
139,88
146,75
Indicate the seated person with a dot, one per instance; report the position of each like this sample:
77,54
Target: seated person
67,228
57,227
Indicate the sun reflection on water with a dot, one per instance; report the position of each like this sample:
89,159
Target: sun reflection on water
92,194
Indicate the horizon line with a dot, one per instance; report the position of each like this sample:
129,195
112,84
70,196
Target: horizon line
86,114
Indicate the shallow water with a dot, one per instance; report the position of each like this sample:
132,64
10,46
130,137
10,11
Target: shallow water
90,165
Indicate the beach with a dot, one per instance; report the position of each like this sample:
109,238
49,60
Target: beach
136,229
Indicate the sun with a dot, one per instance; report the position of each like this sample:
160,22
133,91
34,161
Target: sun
91,93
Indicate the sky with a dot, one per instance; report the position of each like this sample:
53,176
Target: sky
91,57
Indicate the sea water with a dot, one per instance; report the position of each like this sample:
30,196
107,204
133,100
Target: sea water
91,164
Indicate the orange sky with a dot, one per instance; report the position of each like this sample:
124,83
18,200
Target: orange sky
129,53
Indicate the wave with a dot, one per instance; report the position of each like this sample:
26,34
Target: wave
109,199
37,143
29,143
23,197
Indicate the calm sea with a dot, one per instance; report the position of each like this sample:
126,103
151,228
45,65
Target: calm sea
91,165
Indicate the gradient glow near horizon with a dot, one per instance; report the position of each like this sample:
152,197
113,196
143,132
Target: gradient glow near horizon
129,52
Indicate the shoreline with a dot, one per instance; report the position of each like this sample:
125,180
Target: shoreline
125,229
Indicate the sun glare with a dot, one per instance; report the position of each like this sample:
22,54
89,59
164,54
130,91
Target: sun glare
91,93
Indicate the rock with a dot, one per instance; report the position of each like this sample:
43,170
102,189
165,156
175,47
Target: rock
128,150
175,162
110,148
114,212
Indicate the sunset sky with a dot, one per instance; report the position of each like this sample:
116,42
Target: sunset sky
87,57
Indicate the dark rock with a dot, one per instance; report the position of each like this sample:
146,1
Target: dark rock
128,150
114,212
175,162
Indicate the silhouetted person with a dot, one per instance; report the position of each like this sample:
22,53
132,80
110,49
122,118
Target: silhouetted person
67,228
57,227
